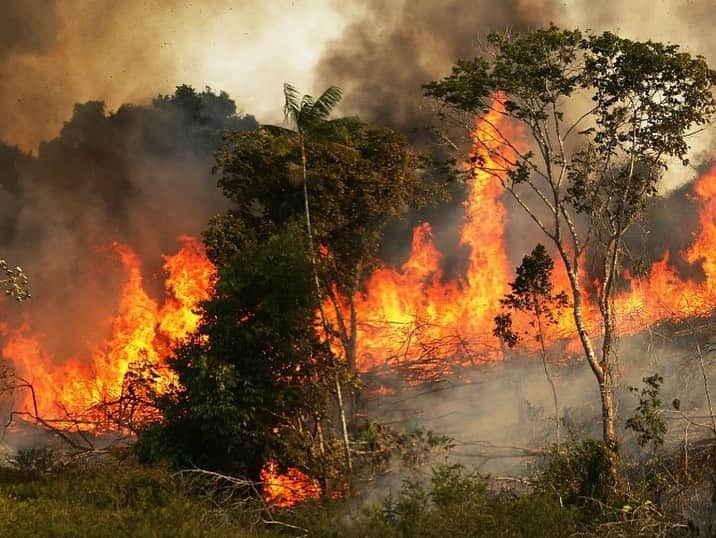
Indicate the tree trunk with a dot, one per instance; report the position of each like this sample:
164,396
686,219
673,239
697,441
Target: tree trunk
609,430
547,373
601,369
344,425
339,394
606,386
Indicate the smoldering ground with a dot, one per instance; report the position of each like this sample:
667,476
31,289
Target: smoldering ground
501,416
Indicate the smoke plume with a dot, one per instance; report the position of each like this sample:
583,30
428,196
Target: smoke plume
140,175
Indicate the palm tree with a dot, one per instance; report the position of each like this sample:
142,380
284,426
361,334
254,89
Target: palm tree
307,113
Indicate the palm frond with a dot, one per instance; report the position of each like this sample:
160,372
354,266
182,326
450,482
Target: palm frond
306,102
324,105
306,111
292,106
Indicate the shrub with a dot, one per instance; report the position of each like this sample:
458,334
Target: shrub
35,459
580,475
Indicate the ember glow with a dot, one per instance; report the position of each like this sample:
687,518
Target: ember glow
141,335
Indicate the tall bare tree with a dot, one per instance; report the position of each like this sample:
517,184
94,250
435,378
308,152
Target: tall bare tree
605,116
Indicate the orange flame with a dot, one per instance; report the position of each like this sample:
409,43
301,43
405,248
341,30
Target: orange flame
413,318
412,315
141,332
287,489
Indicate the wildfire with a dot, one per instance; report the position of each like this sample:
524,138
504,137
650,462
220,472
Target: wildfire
413,318
141,335
287,489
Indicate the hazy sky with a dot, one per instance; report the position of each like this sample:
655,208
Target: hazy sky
54,53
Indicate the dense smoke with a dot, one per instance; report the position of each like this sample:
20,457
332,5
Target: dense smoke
386,54
500,417
383,59
140,175
54,54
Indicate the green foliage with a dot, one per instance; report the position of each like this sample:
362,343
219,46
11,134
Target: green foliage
532,292
580,475
421,444
647,421
359,177
35,459
113,500
252,374
458,503
658,86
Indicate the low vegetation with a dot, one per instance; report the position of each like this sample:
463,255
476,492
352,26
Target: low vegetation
570,494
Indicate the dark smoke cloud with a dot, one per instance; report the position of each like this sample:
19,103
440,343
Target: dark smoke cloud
140,175
26,29
25,33
382,60
391,49
54,53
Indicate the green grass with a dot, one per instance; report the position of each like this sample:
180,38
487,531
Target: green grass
109,501
114,499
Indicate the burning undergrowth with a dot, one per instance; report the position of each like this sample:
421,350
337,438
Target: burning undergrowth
414,323
413,320
417,320
91,213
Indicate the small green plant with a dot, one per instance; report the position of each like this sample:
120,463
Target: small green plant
580,475
35,459
457,502
421,444
646,421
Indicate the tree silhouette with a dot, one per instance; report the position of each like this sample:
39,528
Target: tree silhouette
532,293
